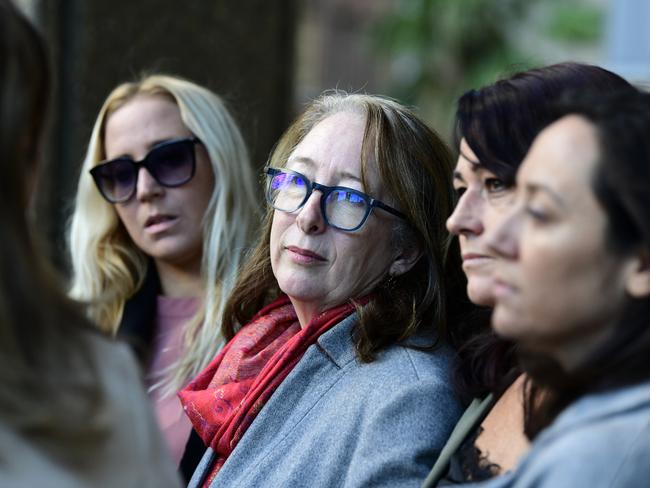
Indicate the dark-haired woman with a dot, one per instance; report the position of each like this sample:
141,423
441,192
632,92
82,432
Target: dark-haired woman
495,126
573,291
72,410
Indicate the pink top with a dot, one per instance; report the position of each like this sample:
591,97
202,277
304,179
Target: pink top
171,316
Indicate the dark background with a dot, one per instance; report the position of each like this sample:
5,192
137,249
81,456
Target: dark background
242,50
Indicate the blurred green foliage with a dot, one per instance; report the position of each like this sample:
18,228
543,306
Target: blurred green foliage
438,49
578,23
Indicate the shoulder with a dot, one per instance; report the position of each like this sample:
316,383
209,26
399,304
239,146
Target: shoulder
406,414
408,389
607,451
135,442
119,380
411,368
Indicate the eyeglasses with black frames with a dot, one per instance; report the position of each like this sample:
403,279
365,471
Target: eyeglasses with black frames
171,163
342,208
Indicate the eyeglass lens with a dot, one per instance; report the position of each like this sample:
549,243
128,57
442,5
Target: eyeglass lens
170,164
344,208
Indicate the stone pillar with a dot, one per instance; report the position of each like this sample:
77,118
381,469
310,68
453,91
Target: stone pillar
241,50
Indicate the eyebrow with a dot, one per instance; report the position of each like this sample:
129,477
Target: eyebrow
310,162
533,188
150,147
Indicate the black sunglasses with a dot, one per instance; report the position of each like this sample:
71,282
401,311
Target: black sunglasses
171,163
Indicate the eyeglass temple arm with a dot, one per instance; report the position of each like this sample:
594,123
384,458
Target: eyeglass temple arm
383,206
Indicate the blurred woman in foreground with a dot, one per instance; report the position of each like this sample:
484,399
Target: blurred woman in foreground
72,410
572,290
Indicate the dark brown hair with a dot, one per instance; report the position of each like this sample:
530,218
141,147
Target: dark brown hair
44,362
500,122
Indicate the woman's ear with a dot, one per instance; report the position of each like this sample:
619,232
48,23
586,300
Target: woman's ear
405,258
638,280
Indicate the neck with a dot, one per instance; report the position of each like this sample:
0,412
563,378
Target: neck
180,281
304,311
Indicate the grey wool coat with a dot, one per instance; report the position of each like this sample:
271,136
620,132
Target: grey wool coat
336,422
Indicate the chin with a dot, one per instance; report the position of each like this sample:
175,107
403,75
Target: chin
480,293
505,323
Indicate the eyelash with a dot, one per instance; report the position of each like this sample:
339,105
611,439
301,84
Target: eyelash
490,183
460,191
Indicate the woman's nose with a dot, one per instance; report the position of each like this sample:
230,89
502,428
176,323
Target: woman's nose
147,187
467,217
310,218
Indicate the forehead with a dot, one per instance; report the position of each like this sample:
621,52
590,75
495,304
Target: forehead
467,153
564,155
332,148
141,122
144,112
468,165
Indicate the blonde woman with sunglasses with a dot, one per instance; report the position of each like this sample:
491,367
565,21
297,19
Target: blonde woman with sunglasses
163,211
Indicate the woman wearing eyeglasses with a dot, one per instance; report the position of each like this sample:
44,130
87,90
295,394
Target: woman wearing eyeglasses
163,210
337,368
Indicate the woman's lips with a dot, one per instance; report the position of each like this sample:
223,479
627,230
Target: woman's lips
503,289
471,260
159,223
304,256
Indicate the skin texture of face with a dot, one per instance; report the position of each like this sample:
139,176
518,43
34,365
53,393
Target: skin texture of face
558,285
165,223
317,266
482,199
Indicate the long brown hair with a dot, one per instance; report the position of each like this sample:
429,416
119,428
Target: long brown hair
43,358
415,167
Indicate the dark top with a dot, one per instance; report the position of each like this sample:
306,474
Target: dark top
461,461
469,464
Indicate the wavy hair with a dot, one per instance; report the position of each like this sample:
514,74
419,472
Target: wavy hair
415,167
108,268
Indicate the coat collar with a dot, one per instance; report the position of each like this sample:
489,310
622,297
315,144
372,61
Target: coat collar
337,343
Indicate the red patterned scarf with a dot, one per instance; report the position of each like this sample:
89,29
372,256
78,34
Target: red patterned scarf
226,397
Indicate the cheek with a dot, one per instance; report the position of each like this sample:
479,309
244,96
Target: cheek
368,257
279,225
126,215
494,216
202,193
570,292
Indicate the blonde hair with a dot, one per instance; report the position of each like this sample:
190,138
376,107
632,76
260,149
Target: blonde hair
107,266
